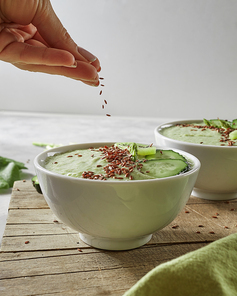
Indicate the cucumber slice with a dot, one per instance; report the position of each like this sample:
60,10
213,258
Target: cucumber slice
36,184
144,150
161,168
233,135
165,154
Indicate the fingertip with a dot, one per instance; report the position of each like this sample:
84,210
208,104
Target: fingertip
95,84
86,54
96,64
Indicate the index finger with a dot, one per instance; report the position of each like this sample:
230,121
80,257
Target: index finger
54,33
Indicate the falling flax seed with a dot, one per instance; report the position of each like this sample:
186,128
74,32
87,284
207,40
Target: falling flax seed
105,101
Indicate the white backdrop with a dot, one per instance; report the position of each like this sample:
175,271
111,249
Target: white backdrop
159,58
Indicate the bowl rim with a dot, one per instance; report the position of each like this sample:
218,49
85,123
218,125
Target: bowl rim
171,123
64,148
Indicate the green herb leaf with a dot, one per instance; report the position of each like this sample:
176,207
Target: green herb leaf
4,161
224,123
206,122
132,148
9,172
3,184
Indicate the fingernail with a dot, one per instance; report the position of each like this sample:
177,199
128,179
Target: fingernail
91,82
72,66
86,54
96,84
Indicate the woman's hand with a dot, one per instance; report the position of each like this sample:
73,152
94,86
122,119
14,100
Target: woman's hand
33,38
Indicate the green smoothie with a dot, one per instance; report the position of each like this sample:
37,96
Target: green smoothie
120,162
216,132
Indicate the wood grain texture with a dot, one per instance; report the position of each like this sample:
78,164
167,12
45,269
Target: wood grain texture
41,256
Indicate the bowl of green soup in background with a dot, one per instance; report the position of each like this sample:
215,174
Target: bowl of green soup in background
116,195
214,143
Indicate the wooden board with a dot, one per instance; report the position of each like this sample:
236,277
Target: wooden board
41,256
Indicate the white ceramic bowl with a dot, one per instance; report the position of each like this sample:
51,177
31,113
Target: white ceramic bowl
217,179
114,215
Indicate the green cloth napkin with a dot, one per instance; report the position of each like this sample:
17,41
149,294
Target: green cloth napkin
211,270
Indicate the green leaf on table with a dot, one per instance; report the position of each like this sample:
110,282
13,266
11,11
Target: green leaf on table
3,184
10,171
4,161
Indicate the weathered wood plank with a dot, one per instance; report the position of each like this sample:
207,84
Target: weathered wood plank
37,229
42,242
31,202
104,269
24,195
15,256
29,216
52,262
188,224
89,284
219,214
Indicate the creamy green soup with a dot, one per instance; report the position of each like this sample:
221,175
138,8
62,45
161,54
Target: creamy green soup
200,133
131,162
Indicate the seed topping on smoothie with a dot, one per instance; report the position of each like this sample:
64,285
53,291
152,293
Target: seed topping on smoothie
121,161
210,132
225,133
115,157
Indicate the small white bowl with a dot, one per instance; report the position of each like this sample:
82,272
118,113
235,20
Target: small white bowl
217,179
114,215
